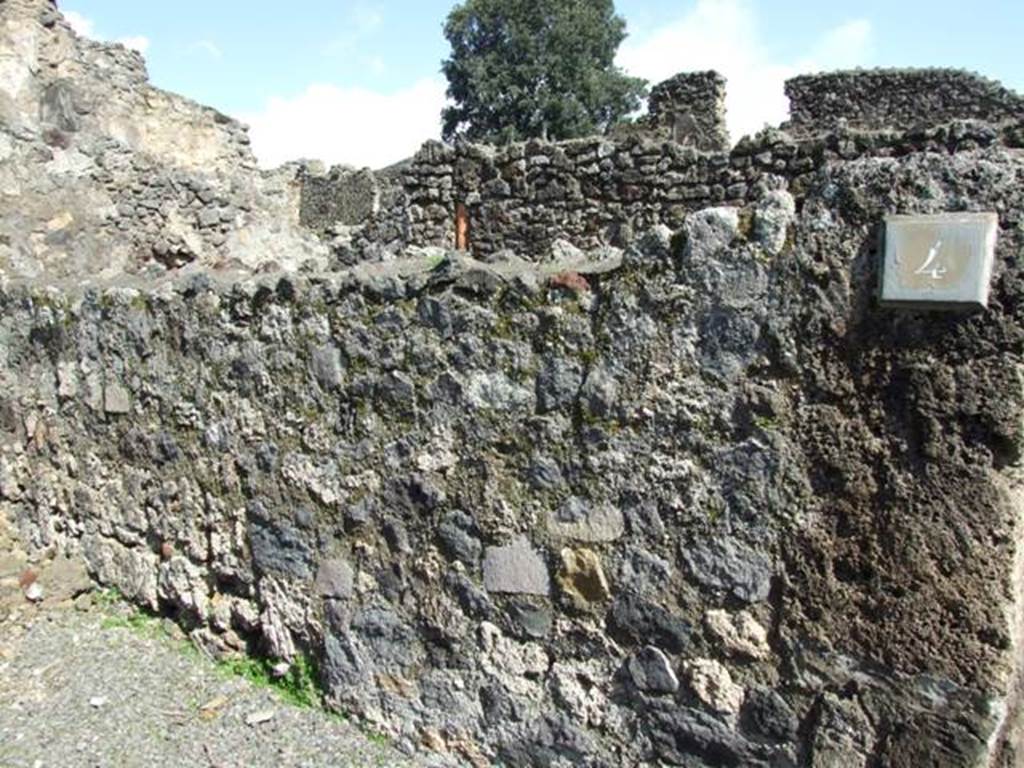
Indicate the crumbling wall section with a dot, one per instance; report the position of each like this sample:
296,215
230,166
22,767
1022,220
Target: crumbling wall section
339,197
103,175
597,191
689,109
592,192
57,83
896,99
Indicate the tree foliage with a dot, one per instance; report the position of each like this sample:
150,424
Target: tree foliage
523,69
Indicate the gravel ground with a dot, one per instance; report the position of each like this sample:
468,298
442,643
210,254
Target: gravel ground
86,682
77,688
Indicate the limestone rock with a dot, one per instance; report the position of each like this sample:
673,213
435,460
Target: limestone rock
600,393
335,579
67,381
327,366
773,217
713,685
740,634
519,665
565,253
577,684
709,231
494,391
591,523
34,592
657,242
131,571
181,583
116,400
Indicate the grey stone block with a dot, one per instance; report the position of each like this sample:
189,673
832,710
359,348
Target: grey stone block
516,569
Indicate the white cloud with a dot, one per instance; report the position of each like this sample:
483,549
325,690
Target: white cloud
724,35
82,25
352,126
138,43
208,47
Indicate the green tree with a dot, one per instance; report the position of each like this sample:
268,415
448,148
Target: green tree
524,69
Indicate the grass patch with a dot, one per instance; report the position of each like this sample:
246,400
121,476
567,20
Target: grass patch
107,598
376,737
299,686
137,622
123,615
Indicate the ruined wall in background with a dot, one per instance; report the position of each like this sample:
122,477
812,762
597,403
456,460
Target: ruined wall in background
602,190
103,175
594,192
882,99
689,109
58,83
338,197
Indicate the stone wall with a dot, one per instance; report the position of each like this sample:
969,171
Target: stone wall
689,109
102,175
651,479
700,502
894,98
58,83
598,191
341,196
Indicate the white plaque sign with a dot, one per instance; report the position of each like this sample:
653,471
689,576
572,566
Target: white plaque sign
939,261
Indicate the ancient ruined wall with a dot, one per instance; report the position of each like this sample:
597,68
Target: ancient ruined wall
602,190
700,502
597,191
55,82
894,98
689,109
693,500
340,196
101,174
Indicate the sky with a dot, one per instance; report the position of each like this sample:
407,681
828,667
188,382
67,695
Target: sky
358,82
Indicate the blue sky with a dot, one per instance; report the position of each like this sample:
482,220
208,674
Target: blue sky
357,81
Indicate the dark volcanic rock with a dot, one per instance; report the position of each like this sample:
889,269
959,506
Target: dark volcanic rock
730,566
